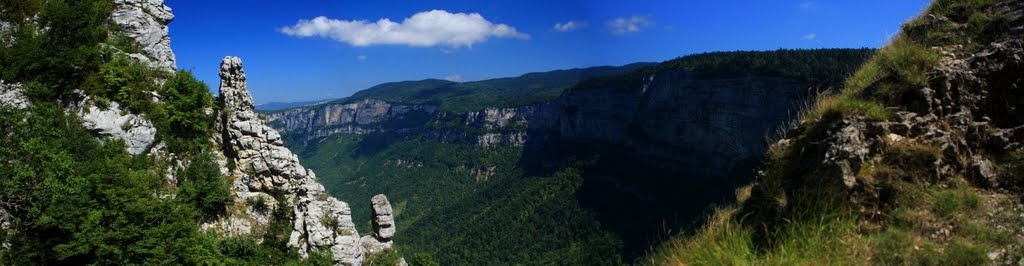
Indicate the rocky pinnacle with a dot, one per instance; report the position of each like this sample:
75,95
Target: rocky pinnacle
264,166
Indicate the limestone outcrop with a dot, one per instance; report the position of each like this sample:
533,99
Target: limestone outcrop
383,217
264,166
12,95
383,223
138,133
145,21
360,117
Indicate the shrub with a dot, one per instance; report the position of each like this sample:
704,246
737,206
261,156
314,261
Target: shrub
186,124
65,55
202,185
125,81
18,11
423,259
386,258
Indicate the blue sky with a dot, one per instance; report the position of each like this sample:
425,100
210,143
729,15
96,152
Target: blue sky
290,55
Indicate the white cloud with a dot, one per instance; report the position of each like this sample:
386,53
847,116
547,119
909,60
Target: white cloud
809,36
806,5
423,29
362,57
453,78
569,26
631,24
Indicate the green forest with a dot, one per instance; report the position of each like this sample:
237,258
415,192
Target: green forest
449,208
463,97
506,203
821,68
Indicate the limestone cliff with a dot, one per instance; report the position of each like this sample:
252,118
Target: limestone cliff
260,165
708,124
145,21
674,114
352,118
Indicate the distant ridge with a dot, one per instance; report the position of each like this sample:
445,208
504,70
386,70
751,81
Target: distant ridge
277,106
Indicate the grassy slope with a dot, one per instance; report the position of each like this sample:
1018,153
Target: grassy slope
823,229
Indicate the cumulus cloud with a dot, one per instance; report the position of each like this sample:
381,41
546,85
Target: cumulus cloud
810,36
453,78
424,29
362,57
631,24
569,26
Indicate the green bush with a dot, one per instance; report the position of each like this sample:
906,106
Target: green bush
423,259
202,185
125,81
386,258
62,57
185,125
78,200
19,10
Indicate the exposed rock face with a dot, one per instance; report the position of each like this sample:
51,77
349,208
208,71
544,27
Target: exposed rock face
361,117
383,226
706,123
5,39
11,95
138,133
5,224
263,165
383,221
674,115
146,22
501,126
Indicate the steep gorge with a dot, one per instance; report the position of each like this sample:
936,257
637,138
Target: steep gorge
655,147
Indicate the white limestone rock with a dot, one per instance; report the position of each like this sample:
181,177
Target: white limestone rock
265,165
137,132
146,22
5,223
12,95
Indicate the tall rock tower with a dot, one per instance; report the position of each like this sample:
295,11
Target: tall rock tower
259,164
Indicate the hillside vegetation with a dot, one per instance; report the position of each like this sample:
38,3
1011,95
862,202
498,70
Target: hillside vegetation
462,97
822,68
461,205
558,204
904,165
73,199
